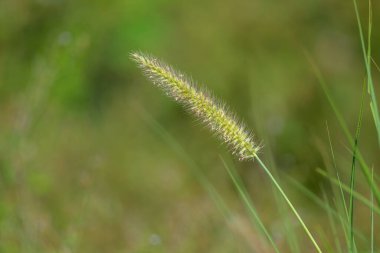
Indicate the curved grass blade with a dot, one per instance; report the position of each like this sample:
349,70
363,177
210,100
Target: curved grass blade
353,169
220,204
215,196
367,62
372,222
337,172
332,222
248,203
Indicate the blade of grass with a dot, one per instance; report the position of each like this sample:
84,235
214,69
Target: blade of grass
372,222
332,223
369,57
337,172
367,61
353,169
325,240
248,203
194,167
367,174
291,237
343,223
375,64
290,229
339,195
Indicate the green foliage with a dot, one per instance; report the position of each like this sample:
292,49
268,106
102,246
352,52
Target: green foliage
83,170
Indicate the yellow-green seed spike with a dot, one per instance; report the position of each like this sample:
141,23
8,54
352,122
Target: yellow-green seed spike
213,114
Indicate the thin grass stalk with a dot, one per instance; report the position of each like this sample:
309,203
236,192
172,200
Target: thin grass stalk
337,172
353,170
332,222
342,223
289,230
249,205
372,221
294,210
218,200
367,61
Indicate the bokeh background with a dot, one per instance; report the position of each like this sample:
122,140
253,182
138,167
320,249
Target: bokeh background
94,158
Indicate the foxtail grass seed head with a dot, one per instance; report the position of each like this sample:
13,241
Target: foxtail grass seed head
214,114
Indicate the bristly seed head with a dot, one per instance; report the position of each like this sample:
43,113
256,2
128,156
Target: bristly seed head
215,115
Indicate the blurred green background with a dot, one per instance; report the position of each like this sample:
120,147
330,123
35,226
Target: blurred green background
84,166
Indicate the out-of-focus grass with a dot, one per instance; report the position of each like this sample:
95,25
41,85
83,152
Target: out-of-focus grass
81,170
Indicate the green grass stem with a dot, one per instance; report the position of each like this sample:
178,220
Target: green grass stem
353,169
367,61
293,209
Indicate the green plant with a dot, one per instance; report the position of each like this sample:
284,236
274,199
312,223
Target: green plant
214,114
